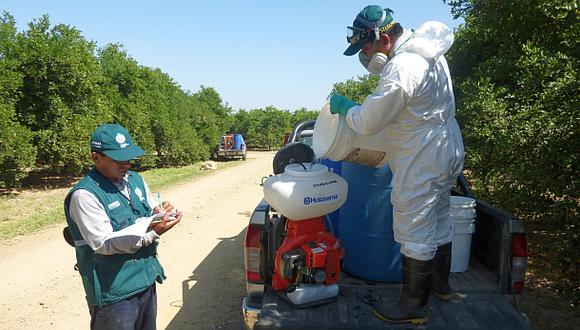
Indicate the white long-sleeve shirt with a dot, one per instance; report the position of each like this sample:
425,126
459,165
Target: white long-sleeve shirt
94,225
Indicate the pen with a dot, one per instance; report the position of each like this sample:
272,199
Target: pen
159,201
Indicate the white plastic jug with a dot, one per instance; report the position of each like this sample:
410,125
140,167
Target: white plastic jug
305,191
335,140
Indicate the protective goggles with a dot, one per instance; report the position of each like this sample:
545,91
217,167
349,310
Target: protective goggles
356,35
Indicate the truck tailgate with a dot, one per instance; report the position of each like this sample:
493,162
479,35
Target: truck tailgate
477,305
348,311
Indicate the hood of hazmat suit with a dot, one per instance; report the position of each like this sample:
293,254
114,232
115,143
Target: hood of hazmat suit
414,107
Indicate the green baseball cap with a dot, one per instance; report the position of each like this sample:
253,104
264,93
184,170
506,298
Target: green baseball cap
368,24
115,142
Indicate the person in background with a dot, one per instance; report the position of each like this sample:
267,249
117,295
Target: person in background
109,214
414,107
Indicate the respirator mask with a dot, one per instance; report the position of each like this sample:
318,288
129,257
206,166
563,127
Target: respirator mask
377,62
374,64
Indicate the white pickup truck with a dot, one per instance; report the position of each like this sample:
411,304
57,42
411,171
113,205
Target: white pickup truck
232,146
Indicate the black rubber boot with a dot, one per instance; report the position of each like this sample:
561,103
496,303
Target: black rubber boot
441,269
412,308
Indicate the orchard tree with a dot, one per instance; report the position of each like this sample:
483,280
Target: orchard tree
515,69
60,99
17,154
356,89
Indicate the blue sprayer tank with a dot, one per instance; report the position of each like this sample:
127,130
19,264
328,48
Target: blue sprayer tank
333,218
366,225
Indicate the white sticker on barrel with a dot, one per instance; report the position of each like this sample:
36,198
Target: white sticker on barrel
365,157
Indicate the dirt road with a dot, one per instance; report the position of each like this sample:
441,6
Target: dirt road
202,257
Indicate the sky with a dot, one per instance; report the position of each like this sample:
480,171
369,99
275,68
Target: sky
254,53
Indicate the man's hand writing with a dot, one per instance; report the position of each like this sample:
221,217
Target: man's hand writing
167,222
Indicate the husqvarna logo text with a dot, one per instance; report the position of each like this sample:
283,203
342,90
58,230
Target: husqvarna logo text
316,200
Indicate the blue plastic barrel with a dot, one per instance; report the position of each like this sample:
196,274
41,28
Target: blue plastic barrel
334,216
238,141
366,225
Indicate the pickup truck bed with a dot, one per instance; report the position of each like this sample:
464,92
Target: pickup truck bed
486,295
475,306
482,301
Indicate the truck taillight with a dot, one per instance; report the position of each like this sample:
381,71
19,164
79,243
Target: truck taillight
519,261
252,253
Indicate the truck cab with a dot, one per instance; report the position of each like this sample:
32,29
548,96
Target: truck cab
486,296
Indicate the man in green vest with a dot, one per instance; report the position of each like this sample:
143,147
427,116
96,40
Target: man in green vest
110,217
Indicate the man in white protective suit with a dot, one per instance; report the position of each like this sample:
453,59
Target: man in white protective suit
414,106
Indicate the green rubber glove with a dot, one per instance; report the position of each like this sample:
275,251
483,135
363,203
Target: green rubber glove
340,104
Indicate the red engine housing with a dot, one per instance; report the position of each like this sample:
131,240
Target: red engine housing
320,250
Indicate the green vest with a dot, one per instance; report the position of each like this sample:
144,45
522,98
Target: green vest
111,278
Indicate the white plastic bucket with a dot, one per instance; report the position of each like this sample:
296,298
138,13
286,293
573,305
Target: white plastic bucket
333,139
462,215
462,207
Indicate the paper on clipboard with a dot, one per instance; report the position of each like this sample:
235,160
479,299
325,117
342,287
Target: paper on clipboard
138,229
158,217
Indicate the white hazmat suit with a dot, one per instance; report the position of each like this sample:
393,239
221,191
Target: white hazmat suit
414,106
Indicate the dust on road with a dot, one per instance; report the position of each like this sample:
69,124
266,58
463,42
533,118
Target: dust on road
202,257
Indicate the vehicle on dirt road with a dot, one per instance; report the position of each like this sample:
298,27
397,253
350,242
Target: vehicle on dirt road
486,296
232,146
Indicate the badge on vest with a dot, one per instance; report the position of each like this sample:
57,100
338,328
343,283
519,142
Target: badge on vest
139,194
114,205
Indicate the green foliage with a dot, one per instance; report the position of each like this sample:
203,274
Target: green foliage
356,90
271,127
60,96
125,96
265,128
302,114
518,105
17,153
241,122
210,118
56,88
